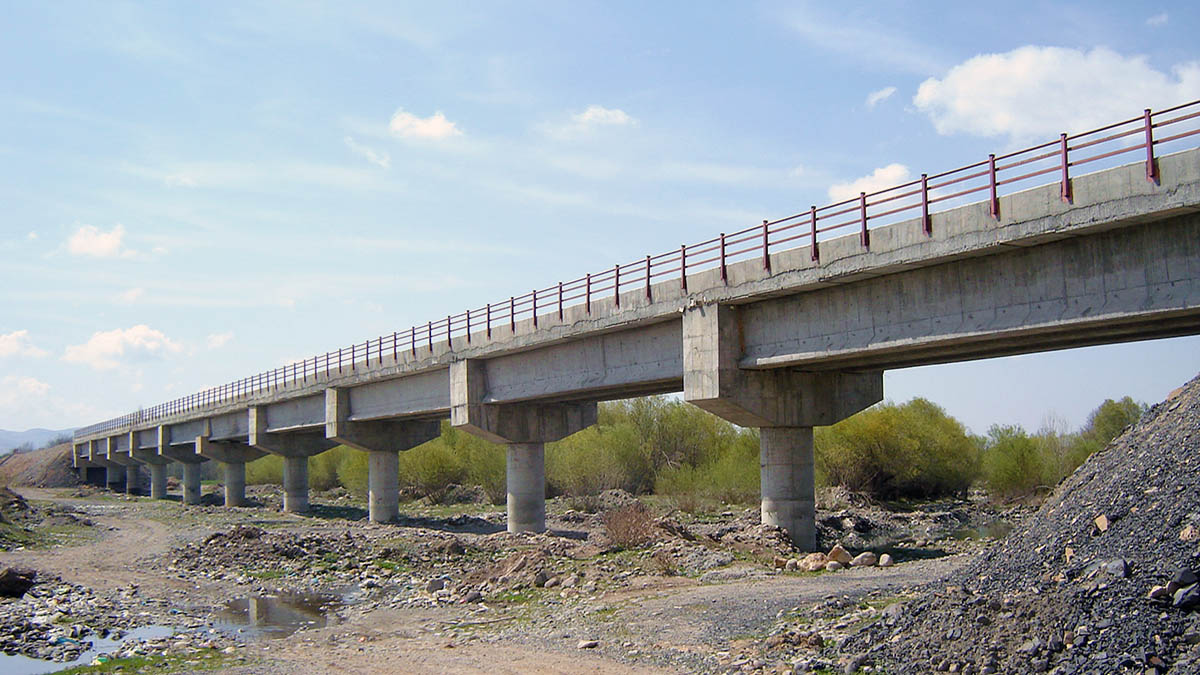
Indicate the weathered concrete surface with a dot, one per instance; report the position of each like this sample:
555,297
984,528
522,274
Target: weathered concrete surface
233,457
295,447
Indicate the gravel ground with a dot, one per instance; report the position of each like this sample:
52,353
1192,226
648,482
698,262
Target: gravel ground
1075,590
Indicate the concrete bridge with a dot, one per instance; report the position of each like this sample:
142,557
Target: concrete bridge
783,327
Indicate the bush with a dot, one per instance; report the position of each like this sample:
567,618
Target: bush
430,469
629,527
352,473
1014,463
732,477
265,471
892,451
484,461
323,468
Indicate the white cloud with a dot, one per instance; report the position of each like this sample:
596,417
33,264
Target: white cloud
130,296
106,349
586,122
218,340
859,37
877,97
16,389
1157,20
435,127
380,159
18,343
91,241
32,236
880,179
1038,92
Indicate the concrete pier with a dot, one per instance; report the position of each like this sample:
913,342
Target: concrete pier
158,481
233,457
525,428
133,479
191,483
295,448
526,481
788,488
183,451
381,440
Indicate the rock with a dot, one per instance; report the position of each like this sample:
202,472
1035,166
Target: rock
839,554
1189,534
833,566
587,644
864,559
1184,577
1117,567
792,565
1187,597
813,562
885,560
1158,593
540,578
434,585
473,596
16,581
1101,522
780,563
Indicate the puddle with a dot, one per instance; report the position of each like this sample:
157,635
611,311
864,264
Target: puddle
275,616
994,530
24,665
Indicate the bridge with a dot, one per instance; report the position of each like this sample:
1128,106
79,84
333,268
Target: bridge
782,326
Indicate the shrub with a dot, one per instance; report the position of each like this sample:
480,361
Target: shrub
891,451
1014,463
596,459
265,471
323,468
484,461
352,473
629,527
430,469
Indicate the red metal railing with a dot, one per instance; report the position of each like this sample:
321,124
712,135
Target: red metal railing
998,174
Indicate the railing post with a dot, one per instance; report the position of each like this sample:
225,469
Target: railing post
864,237
724,270
587,293
395,350
683,267
995,200
560,302
534,304
512,314
649,298
353,355
468,326
617,285
488,310
1151,166
449,344
1064,191
926,221
429,336
412,342
816,250
766,246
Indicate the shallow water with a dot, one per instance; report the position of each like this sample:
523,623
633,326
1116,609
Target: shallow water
24,665
275,616
994,530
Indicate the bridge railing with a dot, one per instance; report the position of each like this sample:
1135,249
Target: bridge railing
1145,135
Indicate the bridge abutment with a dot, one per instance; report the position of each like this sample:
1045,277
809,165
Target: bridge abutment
524,428
382,440
295,448
783,404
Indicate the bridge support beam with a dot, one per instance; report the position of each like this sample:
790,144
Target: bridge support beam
784,404
525,428
295,448
158,470
127,463
382,440
233,457
114,474
186,455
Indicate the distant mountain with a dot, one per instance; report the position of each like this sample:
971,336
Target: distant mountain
34,437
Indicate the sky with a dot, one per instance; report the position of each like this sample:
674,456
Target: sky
196,192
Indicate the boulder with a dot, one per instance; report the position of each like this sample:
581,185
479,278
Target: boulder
865,559
885,560
16,581
839,554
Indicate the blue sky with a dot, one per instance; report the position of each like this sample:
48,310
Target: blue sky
194,192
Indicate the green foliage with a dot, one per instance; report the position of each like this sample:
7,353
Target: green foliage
265,471
430,469
731,477
1014,463
352,473
323,468
1107,421
484,461
890,451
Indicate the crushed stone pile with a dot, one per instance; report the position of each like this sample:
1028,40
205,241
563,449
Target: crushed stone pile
247,548
1101,579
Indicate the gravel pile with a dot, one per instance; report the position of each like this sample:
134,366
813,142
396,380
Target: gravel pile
1100,579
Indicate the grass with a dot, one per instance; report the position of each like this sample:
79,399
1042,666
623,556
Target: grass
202,660
522,596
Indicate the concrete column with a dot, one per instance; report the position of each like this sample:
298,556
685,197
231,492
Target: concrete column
788,494
383,487
526,478
158,481
191,483
784,404
235,483
524,427
295,484
115,477
133,479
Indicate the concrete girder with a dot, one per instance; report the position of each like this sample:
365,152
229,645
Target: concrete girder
525,428
785,405
382,440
